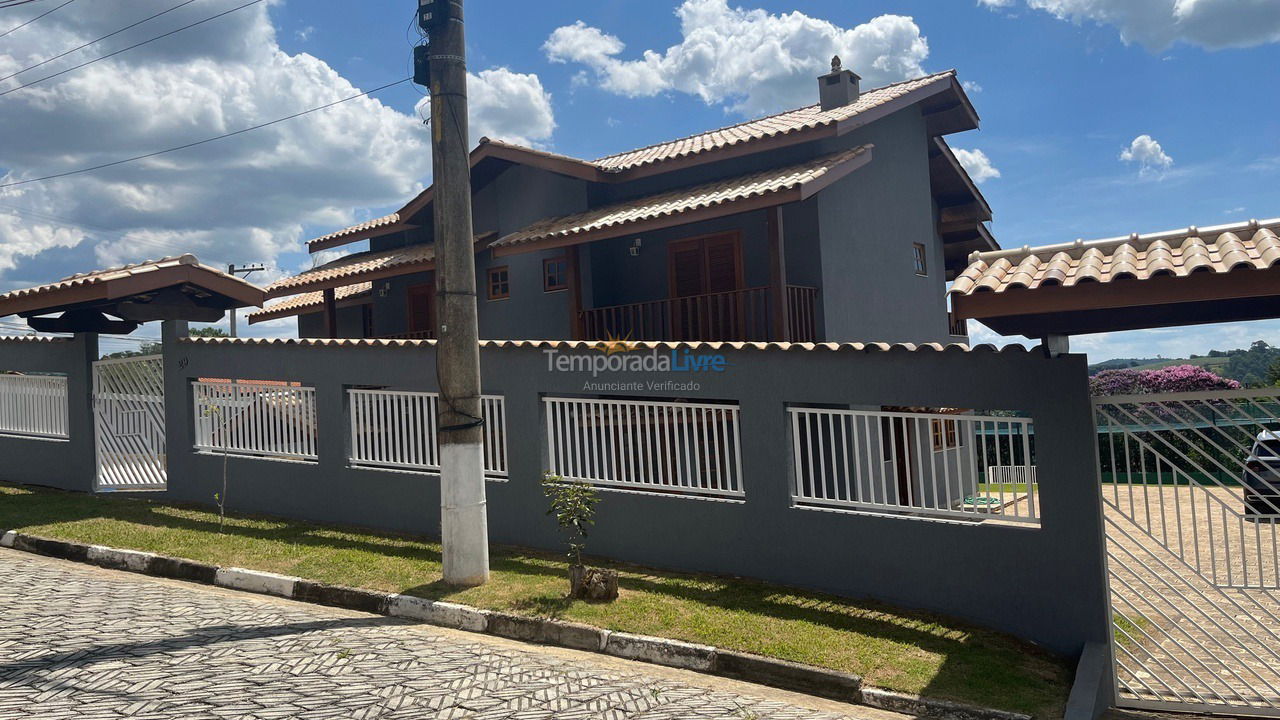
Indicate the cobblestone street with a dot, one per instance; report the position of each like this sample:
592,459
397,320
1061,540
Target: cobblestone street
84,643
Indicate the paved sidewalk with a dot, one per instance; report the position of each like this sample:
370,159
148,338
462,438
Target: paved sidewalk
84,643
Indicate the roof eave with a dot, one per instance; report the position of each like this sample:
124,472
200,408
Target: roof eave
315,246
364,298
712,212
1165,301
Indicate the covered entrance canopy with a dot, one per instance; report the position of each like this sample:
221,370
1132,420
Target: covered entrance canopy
118,300
1192,276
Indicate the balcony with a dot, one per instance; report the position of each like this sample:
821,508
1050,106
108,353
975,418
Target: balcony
957,326
741,315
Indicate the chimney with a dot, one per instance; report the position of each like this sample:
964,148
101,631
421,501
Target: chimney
839,88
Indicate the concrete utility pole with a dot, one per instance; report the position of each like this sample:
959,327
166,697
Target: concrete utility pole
464,525
246,271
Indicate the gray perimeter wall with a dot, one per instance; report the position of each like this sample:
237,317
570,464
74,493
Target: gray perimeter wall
1044,584
65,464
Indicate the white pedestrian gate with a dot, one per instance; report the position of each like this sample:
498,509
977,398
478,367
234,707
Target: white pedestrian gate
128,419
1191,498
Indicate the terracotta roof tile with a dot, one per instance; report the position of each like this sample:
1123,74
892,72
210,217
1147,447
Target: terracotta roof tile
354,267
675,202
868,347
785,123
366,226
805,118
308,302
138,277
118,273
1223,249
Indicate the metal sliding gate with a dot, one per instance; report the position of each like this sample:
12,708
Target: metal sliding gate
128,419
1191,498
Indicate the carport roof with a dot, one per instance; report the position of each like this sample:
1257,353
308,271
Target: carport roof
1181,277
107,288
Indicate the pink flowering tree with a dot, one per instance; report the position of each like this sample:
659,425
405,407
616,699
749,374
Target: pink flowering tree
1176,378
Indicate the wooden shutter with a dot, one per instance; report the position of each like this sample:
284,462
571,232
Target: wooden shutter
688,269
722,264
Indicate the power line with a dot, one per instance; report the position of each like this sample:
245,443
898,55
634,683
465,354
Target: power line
126,49
206,140
19,27
91,42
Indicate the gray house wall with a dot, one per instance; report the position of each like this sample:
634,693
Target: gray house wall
868,222
1044,584
64,464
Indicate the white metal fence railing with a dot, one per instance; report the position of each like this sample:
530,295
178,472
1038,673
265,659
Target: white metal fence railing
34,405
1191,497
662,447
396,429
947,465
256,419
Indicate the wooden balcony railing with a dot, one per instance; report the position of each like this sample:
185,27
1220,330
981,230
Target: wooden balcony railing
739,315
958,327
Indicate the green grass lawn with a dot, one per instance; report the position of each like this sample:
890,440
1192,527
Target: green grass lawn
890,648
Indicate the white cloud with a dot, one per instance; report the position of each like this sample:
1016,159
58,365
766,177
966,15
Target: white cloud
755,61
977,164
245,199
506,105
1157,24
304,34
971,86
1147,154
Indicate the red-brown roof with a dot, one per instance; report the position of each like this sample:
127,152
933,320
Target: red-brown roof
313,302
114,284
360,267
798,125
1227,273
770,187
786,123
1252,245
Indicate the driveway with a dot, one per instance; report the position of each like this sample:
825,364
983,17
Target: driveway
84,643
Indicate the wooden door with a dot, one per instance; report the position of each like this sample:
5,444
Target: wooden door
422,308
703,273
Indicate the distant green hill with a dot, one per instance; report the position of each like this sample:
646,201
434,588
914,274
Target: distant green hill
1248,366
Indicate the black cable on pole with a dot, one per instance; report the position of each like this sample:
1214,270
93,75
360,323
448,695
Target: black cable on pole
19,27
91,42
206,140
126,49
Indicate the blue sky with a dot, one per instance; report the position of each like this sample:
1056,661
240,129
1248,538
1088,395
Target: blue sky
1063,87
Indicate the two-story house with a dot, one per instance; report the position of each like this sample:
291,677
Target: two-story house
839,221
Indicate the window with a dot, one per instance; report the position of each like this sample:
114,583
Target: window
555,274
499,283
917,254
946,434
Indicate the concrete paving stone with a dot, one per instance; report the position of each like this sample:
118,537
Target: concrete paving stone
83,643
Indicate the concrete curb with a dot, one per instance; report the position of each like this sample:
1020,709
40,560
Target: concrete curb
930,707
757,669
